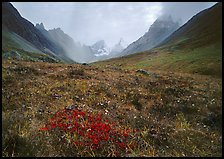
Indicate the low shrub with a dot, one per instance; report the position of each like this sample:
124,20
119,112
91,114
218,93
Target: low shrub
89,134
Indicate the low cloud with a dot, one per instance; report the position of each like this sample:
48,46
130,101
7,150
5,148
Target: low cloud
89,22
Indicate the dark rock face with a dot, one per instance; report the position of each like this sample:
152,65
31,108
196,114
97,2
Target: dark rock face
40,26
144,72
12,21
57,47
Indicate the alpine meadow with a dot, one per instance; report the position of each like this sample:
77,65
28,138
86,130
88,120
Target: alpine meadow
159,95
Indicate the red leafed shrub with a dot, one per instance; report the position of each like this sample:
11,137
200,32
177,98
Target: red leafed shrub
91,132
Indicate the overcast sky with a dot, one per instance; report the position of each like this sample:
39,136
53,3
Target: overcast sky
89,22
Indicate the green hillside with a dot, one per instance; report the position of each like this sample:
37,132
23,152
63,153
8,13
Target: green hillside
205,60
12,40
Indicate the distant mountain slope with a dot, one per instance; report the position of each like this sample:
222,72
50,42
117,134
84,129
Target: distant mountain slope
67,45
61,39
196,47
202,29
25,34
158,31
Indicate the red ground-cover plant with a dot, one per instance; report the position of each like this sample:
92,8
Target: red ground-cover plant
91,131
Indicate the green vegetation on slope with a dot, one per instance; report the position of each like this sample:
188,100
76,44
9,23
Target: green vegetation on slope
28,56
205,60
12,40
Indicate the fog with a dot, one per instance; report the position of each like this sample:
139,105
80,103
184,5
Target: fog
88,22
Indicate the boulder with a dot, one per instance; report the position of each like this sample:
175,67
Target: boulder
144,72
71,107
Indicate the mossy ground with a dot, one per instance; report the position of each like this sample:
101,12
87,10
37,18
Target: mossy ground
184,110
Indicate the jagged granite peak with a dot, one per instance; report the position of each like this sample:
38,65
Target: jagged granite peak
122,43
100,48
58,33
118,48
158,31
40,26
99,44
57,30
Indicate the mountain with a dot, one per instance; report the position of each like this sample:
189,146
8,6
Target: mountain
101,51
196,48
50,38
205,28
62,39
40,26
74,50
118,48
19,33
158,31
100,48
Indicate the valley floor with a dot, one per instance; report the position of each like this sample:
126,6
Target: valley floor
175,114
